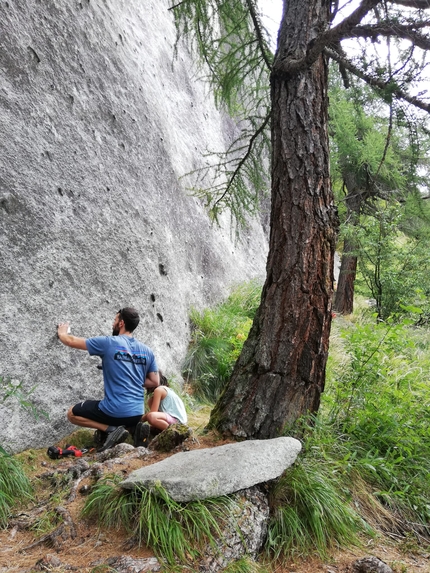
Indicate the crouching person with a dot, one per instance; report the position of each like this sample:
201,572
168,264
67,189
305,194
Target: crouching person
165,408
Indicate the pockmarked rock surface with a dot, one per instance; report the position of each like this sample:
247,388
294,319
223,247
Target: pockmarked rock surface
213,472
99,122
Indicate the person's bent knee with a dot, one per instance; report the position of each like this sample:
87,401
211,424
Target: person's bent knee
70,415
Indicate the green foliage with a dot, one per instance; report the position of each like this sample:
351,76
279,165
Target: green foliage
359,149
10,389
233,47
377,170
175,531
311,510
392,266
366,457
217,338
377,406
14,486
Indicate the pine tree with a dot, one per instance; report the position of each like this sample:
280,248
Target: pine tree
280,374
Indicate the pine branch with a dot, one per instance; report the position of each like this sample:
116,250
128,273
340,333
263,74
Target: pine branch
243,160
406,32
258,32
419,4
375,82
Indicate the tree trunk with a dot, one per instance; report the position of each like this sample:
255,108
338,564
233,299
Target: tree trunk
280,374
344,299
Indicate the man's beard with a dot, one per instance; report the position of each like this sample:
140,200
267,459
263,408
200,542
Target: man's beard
115,332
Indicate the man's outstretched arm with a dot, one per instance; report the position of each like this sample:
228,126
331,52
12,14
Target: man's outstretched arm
69,339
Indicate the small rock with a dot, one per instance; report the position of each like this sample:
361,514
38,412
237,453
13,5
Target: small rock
170,438
125,564
370,564
47,563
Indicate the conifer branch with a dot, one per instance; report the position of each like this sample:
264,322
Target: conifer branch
419,4
399,31
289,66
258,32
243,160
375,82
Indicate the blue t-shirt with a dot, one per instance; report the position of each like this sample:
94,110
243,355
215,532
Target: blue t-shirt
126,363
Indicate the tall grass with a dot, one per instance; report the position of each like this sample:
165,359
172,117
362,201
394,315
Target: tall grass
14,486
378,407
217,338
311,510
175,531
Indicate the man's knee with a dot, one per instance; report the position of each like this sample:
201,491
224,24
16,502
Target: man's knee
70,415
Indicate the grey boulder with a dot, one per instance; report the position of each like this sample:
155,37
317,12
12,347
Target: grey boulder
213,472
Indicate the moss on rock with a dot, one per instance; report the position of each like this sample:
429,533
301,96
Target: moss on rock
170,438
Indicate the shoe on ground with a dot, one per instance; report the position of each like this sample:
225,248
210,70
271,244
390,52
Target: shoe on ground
141,435
114,436
99,438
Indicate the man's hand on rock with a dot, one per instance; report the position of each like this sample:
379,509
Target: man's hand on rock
63,328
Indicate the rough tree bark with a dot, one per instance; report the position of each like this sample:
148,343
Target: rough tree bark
280,374
344,299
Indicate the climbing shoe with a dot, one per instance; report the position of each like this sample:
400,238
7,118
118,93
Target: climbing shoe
115,435
141,435
99,438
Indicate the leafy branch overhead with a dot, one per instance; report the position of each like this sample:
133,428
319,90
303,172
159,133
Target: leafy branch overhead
233,47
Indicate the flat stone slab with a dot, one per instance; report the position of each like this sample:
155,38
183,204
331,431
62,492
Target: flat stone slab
214,472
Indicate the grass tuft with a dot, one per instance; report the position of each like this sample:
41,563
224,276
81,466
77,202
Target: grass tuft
217,338
14,486
175,531
311,511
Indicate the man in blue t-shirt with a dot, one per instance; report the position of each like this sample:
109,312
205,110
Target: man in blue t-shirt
128,366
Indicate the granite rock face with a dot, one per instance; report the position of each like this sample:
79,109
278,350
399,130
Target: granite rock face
99,121
213,472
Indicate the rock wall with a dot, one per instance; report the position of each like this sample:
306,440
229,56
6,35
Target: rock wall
98,123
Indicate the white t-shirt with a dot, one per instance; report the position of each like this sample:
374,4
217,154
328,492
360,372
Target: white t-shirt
173,405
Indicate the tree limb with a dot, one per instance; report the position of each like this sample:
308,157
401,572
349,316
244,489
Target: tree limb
420,4
377,82
244,158
289,66
257,28
396,30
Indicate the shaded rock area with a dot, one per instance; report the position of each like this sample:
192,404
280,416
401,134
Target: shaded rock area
213,472
243,533
99,122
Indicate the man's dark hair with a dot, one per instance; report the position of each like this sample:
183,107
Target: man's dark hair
131,318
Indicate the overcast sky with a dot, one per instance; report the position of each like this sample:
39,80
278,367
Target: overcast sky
271,13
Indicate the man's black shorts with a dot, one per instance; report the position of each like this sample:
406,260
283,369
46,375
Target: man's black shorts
90,410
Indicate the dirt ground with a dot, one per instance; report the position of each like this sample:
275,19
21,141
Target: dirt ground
21,550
